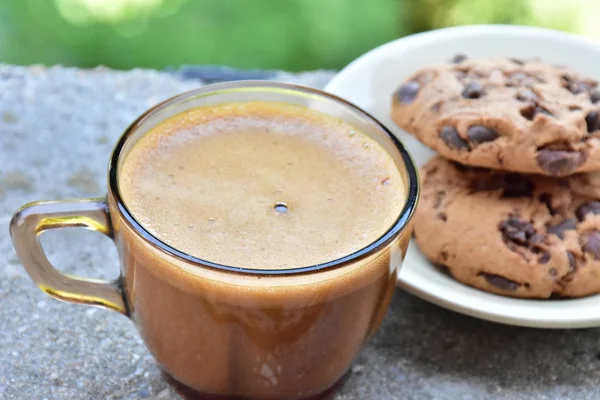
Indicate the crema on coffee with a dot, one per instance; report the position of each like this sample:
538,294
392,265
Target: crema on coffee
261,185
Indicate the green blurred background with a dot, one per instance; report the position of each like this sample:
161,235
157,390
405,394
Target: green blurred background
269,34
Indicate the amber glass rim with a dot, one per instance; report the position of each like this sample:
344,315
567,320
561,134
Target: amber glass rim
397,227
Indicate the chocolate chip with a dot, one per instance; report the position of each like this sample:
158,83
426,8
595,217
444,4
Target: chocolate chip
531,110
592,121
450,136
560,228
517,61
571,258
573,85
461,167
458,58
595,95
473,90
517,231
565,81
592,245
408,92
487,184
590,207
546,198
544,258
436,107
443,216
526,95
559,162
444,256
581,87
517,186
480,134
500,282
536,239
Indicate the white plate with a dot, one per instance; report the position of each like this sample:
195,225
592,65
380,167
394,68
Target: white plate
369,82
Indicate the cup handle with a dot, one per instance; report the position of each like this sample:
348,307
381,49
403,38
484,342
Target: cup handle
33,219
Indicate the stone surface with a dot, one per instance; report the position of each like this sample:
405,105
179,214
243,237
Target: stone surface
57,128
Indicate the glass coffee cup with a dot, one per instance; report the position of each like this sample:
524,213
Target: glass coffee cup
225,330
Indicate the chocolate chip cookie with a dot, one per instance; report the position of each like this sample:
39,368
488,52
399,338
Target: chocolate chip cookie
587,184
510,114
510,234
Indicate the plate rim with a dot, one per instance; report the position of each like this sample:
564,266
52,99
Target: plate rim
460,31
409,281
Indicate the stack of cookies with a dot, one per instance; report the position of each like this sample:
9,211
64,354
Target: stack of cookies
510,204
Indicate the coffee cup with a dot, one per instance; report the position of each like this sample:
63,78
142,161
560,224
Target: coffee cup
231,330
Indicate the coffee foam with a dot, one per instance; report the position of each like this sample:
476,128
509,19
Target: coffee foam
206,182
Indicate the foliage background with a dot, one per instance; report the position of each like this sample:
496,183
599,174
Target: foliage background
280,34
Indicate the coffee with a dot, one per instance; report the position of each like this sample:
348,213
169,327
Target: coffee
261,185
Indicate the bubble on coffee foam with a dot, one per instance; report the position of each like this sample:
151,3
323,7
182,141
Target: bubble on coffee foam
281,207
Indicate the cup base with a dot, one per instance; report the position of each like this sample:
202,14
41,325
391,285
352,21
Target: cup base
187,393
